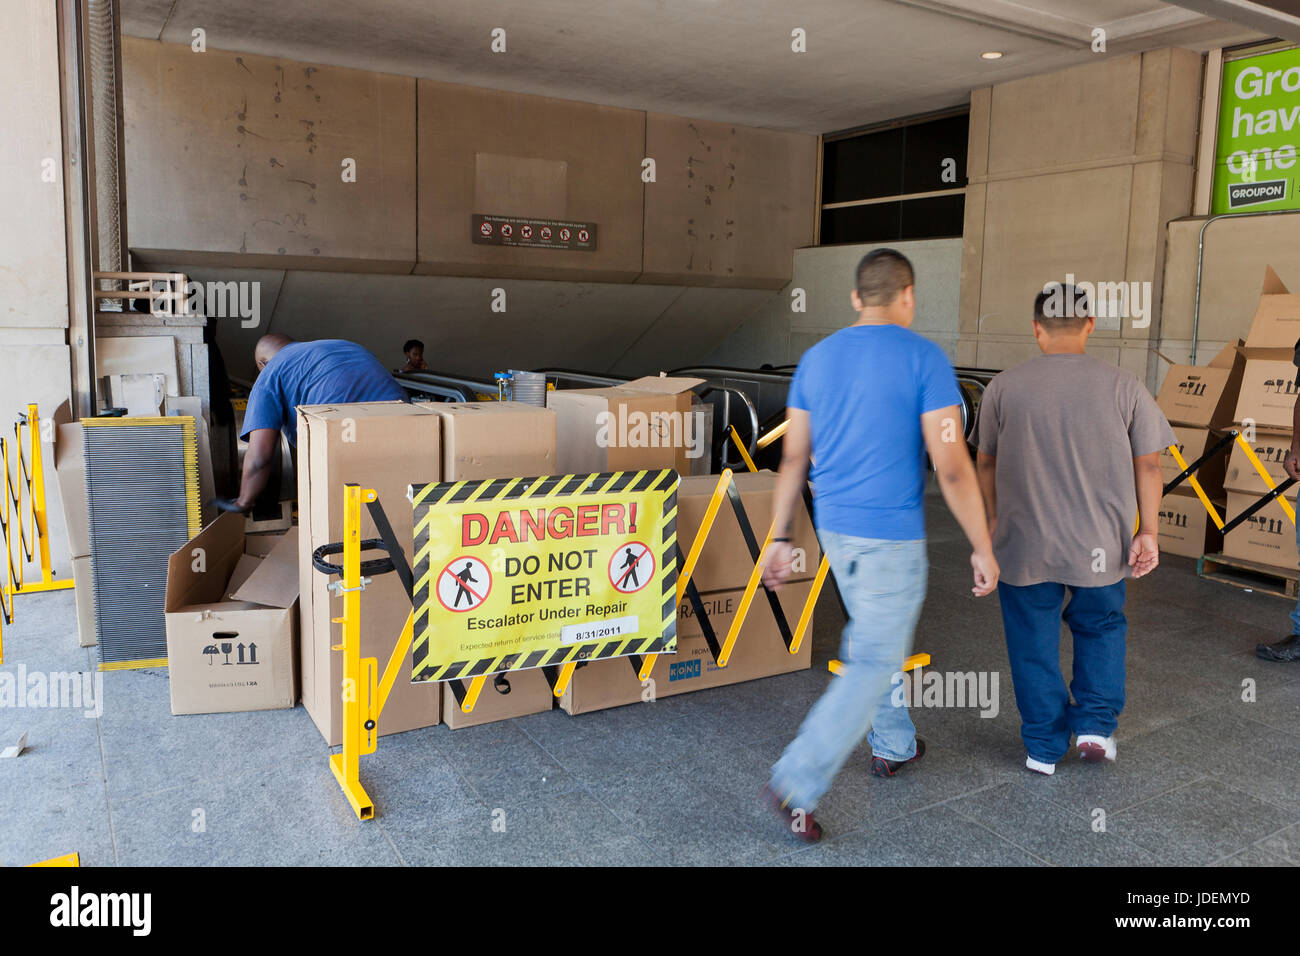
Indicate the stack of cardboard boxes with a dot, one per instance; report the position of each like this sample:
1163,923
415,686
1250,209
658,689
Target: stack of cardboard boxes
390,445
1264,413
1199,402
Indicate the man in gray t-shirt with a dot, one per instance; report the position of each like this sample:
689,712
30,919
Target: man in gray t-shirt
1068,460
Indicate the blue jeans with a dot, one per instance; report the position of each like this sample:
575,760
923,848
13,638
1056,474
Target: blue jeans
883,586
1295,613
1032,617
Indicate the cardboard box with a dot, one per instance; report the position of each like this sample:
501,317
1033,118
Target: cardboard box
230,619
1276,325
759,652
1192,444
1204,396
1271,450
1185,525
1268,394
725,562
70,470
645,423
84,589
1267,537
386,446
495,440
503,696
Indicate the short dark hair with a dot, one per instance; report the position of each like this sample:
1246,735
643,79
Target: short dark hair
411,344
1062,306
882,275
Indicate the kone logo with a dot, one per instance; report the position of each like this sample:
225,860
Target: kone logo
683,670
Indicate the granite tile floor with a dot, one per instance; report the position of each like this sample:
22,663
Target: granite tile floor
1209,762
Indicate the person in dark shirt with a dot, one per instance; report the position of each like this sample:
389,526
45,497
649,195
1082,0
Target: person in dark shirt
414,352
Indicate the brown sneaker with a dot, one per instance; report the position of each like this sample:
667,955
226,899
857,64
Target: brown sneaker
796,821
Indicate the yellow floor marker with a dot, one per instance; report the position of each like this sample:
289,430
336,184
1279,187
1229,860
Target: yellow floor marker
68,859
911,664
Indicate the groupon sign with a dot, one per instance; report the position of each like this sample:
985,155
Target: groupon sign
1259,134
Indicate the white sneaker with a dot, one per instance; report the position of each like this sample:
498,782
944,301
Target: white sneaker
1037,766
1094,747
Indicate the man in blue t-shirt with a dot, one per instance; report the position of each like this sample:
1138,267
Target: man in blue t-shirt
325,372
866,404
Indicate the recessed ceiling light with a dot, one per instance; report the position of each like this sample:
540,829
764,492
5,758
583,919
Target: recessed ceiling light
991,55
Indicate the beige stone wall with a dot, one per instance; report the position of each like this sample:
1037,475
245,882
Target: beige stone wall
1075,172
233,160
34,357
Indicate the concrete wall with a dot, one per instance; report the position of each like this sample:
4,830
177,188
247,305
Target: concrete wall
34,358
777,335
1075,172
235,160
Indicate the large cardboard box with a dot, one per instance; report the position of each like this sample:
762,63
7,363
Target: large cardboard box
230,619
504,696
1267,537
1203,396
645,423
84,588
495,440
1268,394
1276,325
385,446
1192,444
1271,449
1185,525
759,652
721,573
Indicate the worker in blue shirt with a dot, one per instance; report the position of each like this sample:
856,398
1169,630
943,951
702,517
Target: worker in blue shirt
325,372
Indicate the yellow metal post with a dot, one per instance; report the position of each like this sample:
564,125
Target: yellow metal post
693,555
773,435
566,675
740,447
1196,485
910,664
745,600
471,695
346,766
1263,473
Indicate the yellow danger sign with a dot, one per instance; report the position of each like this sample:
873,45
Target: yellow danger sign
513,573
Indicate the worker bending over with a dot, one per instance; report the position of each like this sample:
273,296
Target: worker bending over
325,372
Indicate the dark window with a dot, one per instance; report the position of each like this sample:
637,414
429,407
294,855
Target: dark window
899,160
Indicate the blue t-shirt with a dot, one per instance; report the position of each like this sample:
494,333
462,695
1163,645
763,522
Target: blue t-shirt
865,389
326,372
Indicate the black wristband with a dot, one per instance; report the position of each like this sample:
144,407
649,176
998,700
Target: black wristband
786,540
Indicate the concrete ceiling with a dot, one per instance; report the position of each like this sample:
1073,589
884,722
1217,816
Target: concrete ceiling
727,60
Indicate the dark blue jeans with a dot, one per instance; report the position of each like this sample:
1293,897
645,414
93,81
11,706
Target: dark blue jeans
1032,618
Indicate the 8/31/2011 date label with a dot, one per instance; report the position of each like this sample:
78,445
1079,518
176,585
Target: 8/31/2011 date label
599,630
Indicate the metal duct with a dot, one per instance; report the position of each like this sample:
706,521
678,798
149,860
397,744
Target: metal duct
106,118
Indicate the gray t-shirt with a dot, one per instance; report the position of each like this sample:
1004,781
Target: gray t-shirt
1065,430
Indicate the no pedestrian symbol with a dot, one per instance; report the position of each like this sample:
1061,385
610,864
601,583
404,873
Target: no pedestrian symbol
464,584
631,567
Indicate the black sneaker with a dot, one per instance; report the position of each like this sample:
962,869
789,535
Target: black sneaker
1284,651
796,821
880,767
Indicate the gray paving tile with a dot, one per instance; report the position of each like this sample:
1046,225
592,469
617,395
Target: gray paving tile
1058,836
42,821
938,836
293,816
498,760
1285,845
1253,856
1197,824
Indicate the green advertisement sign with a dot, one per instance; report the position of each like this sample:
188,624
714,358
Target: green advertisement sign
1259,134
